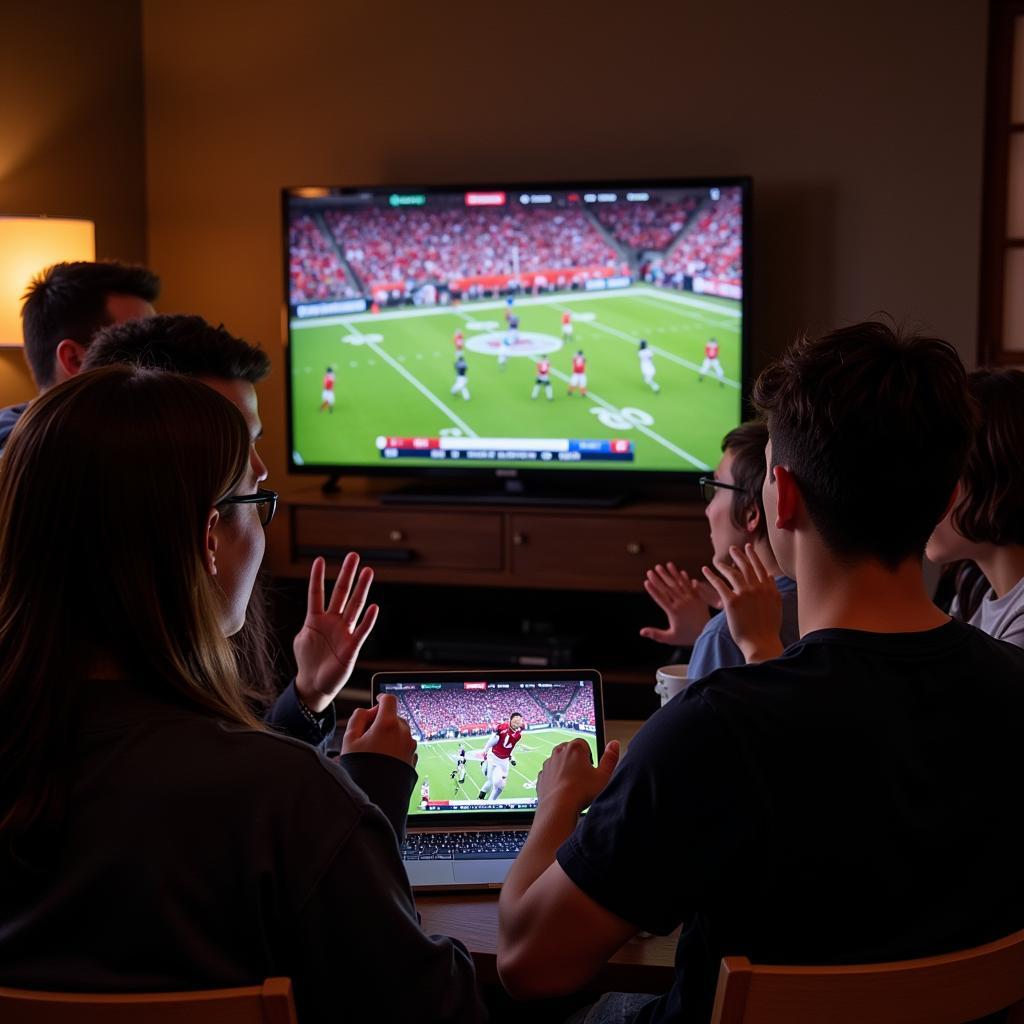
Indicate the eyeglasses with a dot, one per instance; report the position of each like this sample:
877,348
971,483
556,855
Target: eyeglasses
264,500
708,484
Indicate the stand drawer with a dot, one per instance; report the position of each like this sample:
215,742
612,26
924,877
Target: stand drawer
430,539
604,548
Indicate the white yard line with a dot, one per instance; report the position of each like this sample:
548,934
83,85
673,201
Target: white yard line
653,435
681,299
524,777
421,388
634,340
550,748
687,314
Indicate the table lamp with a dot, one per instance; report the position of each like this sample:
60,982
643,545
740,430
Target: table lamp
29,245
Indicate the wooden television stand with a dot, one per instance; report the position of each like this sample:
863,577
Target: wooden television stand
492,568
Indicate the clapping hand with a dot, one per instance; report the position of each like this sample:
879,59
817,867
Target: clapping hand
751,601
328,644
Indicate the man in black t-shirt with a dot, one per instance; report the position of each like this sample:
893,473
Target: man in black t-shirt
855,799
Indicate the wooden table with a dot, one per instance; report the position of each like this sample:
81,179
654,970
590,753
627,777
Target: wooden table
644,964
641,965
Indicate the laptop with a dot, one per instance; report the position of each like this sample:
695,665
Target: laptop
483,737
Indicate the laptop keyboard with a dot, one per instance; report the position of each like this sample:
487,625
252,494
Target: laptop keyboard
463,845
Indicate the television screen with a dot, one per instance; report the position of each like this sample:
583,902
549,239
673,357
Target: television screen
590,327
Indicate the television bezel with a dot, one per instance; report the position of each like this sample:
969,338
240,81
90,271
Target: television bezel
529,477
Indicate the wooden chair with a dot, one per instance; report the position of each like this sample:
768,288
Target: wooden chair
269,1003
951,989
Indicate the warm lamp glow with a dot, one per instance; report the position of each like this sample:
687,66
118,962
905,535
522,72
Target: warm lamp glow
29,245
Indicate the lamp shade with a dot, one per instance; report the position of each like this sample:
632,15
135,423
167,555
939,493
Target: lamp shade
29,245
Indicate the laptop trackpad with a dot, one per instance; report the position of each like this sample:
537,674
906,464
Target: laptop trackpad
430,872
481,872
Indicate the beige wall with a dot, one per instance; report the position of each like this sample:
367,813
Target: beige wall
860,121
71,129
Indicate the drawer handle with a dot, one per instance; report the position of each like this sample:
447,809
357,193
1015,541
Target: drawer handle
396,536
518,539
633,548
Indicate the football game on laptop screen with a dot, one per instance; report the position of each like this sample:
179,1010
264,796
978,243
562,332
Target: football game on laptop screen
571,327
482,742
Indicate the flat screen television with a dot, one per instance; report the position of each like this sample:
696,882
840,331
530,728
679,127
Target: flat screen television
548,331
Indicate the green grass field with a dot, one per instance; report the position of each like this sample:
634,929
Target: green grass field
395,371
437,759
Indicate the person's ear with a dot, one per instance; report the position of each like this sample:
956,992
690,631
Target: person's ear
752,520
788,498
210,544
70,356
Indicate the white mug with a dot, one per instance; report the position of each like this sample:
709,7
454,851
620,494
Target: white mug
671,679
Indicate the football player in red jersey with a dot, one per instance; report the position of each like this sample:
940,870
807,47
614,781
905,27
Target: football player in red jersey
578,380
460,340
543,378
567,325
327,391
711,362
499,755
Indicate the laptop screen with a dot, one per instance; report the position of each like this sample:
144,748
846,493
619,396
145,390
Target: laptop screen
484,737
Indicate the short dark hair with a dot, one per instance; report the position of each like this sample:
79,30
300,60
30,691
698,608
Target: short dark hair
991,509
874,424
515,714
69,300
746,443
182,344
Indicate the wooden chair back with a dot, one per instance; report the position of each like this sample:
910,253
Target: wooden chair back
951,989
269,1003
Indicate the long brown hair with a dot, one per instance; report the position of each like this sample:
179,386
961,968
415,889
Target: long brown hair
190,345
106,486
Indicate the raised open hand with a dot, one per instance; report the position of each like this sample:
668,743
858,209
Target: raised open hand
752,603
328,644
684,602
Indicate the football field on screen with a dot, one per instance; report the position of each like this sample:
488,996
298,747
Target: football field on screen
395,371
437,761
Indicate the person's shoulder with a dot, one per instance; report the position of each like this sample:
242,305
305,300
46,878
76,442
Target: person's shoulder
846,654
790,631
282,766
714,648
687,727
743,683
785,585
9,416
999,649
12,412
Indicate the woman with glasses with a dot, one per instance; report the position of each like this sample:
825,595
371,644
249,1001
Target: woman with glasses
984,529
749,583
232,367
153,834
